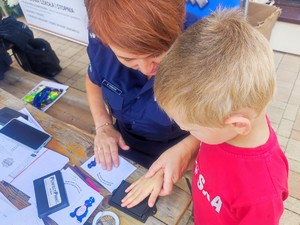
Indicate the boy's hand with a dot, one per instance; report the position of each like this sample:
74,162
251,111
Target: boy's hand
140,189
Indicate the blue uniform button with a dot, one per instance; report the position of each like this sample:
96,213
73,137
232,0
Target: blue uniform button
138,97
133,122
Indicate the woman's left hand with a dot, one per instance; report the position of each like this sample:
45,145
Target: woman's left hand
175,162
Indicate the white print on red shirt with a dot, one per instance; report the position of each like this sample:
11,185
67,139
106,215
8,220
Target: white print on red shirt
216,202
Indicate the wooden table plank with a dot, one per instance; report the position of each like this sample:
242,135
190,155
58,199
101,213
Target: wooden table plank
71,108
77,145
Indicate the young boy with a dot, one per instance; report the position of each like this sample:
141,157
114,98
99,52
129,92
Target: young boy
216,82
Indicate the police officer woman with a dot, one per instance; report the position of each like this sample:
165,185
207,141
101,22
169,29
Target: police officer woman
127,41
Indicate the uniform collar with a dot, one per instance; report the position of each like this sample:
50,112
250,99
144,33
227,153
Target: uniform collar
148,85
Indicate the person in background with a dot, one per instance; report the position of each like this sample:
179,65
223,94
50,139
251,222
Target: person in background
127,41
220,76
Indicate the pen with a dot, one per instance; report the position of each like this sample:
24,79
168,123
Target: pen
87,179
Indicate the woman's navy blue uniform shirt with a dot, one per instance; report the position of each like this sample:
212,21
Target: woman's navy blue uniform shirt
129,94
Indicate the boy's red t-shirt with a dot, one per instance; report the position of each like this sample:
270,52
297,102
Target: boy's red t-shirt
244,186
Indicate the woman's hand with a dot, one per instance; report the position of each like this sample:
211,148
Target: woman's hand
106,144
175,162
143,187
107,139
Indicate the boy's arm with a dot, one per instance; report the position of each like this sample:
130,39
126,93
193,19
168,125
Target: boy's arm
143,187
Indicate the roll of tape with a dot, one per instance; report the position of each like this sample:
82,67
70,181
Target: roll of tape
113,220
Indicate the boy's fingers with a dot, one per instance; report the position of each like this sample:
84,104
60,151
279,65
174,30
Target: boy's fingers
132,199
127,199
132,186
137,200
153,197
132,193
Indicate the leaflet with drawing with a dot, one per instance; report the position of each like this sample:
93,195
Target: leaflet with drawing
109,179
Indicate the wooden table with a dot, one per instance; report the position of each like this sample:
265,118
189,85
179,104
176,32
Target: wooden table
72,108
77,145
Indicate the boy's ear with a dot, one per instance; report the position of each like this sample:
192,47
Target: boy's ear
241,124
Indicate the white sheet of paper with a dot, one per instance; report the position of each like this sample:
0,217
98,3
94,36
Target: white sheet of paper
22,165
14,158
25,216
109,179
78,193
49,161
6,208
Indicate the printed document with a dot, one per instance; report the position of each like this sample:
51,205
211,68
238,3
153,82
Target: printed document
82,198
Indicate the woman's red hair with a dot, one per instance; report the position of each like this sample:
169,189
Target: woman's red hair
137,26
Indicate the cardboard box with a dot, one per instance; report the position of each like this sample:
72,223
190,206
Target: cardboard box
263,17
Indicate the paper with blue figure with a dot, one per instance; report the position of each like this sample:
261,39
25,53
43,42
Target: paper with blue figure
109,179
83,200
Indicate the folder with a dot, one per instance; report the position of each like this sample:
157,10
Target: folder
50,194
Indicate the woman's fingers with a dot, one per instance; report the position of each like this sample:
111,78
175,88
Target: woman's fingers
114,155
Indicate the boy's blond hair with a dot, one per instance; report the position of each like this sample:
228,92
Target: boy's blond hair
216,67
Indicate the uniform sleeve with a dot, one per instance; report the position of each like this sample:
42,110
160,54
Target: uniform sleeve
94,53
265,212
102,59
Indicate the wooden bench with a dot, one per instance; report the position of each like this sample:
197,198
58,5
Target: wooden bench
72,108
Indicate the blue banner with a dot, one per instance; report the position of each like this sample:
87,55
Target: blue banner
203,8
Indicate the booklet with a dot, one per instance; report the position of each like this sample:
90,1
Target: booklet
45,94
